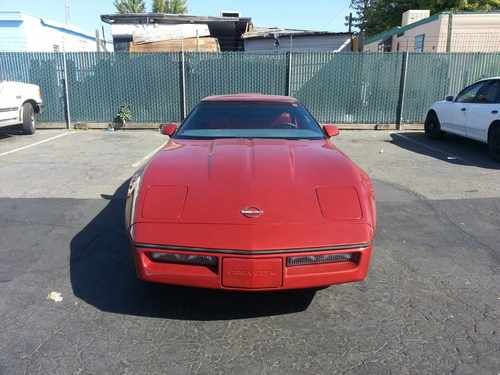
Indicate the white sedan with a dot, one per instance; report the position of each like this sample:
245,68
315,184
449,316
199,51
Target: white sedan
19,103
474,113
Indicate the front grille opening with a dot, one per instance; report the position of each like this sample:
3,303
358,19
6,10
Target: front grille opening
322,259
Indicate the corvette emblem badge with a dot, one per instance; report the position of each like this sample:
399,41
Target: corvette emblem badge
251,212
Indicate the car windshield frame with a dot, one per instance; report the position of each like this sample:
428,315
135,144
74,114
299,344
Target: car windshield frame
314,132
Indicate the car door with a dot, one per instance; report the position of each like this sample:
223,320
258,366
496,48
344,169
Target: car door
457,111
483,111
9,108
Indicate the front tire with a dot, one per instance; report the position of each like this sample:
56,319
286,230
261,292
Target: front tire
29,124
432,126
494,141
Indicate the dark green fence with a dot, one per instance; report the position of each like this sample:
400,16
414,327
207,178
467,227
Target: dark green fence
44,69
99,83
336,87
347,88
232,72
433,76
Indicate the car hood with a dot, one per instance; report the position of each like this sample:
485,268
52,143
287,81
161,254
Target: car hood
212,181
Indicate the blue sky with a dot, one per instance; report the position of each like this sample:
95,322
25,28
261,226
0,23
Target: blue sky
323,15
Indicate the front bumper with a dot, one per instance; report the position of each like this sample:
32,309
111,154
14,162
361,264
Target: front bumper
254,271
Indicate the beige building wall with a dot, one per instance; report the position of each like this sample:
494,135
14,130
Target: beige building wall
478,32
432,36
471,32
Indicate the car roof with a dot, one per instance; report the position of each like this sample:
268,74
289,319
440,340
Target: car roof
488,78
251,97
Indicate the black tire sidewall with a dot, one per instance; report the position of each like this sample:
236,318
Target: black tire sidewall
432,127
493,140
28,119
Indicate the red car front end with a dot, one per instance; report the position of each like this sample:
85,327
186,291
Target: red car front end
299,269
251,215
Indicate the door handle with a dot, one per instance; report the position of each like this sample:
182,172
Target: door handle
494,111
463,109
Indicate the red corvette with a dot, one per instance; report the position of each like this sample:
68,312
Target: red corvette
250,193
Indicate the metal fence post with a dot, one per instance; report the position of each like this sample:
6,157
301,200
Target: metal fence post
182,83
402,89
288,88
66,92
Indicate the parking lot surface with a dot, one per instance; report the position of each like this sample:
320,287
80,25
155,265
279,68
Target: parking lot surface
431,304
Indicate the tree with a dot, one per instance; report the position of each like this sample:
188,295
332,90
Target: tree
361,9
170,6
129,6
159,6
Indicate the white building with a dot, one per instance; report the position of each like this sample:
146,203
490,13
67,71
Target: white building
274,39
20,32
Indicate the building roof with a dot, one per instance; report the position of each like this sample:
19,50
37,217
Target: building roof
272,32
251,97
227,30
167,18
401,29
19,16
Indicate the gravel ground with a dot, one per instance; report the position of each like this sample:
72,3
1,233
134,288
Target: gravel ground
431,304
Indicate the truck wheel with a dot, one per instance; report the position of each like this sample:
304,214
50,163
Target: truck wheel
432,126
28,119
494,142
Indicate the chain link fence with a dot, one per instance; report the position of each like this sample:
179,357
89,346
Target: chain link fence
344,88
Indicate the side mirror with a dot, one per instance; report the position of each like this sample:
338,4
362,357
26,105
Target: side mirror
450,98
331,130
168,129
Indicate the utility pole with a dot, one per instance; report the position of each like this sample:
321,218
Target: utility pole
67,11
349,22
67,15
450,31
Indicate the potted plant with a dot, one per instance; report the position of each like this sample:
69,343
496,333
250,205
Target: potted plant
124,114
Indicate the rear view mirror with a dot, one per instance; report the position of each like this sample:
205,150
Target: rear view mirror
331,130
450,98
168,129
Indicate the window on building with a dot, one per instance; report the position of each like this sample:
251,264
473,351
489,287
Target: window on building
419,43
388,45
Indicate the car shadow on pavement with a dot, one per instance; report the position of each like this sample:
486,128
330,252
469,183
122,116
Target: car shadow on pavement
9,131
103,275
451,149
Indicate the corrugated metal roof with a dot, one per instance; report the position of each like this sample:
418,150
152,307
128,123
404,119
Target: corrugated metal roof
167,18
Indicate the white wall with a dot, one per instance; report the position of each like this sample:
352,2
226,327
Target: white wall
12,34
300,43
43,38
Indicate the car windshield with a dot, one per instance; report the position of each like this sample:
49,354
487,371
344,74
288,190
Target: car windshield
211,120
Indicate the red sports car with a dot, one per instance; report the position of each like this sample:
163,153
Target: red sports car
250,193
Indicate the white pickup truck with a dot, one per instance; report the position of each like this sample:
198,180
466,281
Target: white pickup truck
19,103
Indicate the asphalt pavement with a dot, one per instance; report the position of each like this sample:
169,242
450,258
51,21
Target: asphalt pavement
431,303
